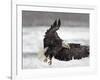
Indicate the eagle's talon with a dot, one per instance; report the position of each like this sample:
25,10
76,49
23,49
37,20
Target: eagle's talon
50,62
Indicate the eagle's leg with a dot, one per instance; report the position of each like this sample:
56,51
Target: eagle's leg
50,62
50,59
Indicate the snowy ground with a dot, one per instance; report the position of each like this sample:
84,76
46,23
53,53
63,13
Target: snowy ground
32,61
33,42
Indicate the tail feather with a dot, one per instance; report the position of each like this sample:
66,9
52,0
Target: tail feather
41,52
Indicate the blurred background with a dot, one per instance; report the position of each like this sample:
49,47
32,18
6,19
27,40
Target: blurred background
74,29
33,19
74,26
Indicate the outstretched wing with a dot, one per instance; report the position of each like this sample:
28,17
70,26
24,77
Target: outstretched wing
54,27
54,24
59,23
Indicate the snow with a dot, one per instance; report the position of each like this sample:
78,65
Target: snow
33,43
33,62
33,37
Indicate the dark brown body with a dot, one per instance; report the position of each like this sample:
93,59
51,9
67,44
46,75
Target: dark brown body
56,50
